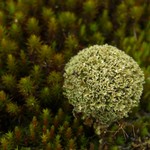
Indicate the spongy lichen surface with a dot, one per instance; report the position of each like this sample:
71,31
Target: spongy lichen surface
103,82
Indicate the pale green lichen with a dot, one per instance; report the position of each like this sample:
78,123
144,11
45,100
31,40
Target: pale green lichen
103,83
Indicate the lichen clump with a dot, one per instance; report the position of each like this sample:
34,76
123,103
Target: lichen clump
103,83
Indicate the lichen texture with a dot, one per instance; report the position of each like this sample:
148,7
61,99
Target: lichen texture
103,83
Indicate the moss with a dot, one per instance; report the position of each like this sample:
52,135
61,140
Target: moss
37,39
114,148
51,131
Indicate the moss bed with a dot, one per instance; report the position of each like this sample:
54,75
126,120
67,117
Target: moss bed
37,39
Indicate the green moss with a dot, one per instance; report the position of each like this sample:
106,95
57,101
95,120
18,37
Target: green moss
120,140
26,86
90,9
33,26
67,20
9,81
114,148
37,38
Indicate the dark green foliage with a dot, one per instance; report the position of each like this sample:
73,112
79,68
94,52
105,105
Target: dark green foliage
33,26
66,20
88,7
26,86
9,81
34,44
45,132
15,32
37,38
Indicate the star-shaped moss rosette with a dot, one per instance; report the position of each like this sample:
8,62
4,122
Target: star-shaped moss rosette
103,84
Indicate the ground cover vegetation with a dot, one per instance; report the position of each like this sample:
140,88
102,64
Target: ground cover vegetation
37,39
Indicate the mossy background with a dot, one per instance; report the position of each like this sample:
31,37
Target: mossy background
37,38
